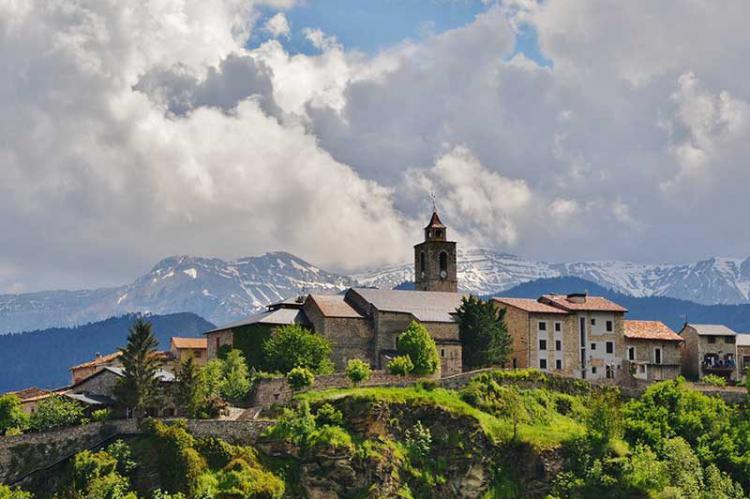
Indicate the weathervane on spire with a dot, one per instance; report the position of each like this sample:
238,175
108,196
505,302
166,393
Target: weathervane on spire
434,203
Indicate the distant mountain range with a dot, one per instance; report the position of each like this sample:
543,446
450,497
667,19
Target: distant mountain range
223,291
42,358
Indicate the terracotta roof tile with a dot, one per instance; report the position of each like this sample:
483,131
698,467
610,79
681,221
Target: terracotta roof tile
650,330
334,306
98,361
591,304
31,393
529,305
194,343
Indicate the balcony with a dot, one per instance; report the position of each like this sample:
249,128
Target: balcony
720,365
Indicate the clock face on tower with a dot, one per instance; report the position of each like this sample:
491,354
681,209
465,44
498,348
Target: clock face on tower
443,274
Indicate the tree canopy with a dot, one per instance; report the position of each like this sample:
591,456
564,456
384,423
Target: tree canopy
138,387
293,346
483,334
417,343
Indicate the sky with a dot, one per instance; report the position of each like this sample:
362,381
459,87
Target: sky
562,130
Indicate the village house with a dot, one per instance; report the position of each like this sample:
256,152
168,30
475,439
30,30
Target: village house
574,335
652,350
363,323
182,349
31,397
99,362
709,349
743,353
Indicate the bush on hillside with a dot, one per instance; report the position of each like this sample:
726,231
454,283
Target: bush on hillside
12,416
714,380
401,365
293,346
300,377
56,412
358,371
417,343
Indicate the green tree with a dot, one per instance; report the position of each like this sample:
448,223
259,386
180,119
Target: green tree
235,377
604,418
358,371
484,337
293,346
400,365
56,412
11,414
138,388
683,469
300,377
95,476
417,343
15,493
190,390
212,377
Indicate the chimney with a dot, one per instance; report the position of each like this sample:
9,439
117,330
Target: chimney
577,297
98,355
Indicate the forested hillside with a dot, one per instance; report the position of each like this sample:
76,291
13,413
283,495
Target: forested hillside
42,358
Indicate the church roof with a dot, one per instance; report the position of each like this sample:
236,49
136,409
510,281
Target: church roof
435,222
334,306
278,317
425,306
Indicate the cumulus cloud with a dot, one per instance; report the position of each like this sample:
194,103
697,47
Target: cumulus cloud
145,130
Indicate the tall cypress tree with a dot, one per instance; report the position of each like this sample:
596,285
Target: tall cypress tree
138,388
483,334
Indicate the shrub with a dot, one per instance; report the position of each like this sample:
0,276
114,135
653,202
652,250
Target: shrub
294,346
56,412
235,376
331,437
294,425
358,371
123,455
401,365
8,493
100,415
418,441
417,343
714,380
300,377
180,465
11,414
95,475
327,414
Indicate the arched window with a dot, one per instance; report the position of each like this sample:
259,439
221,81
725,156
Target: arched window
443,261
422,264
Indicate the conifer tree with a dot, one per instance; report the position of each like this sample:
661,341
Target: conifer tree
483,334
190,390
138,387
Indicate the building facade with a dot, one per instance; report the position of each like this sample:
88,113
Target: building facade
183,349
574,335
709,349
653,351
435,267
743,353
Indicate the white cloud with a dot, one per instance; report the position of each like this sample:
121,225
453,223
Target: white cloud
278,26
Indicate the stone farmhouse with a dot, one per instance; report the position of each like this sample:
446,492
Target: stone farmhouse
653,350
709,349
363,323
743,353
573,335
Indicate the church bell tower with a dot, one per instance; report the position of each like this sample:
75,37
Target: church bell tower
435,259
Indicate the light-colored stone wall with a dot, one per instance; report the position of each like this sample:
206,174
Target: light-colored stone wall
644,363
218,339
351,338
517,324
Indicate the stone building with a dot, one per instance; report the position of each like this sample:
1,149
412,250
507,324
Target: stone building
574,335
652,350
182,349
743,353
99,362
364,323
709,349
31,397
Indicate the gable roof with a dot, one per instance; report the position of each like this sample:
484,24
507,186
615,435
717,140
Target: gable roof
530,305
425,306
31,393
590,304
161,374
712,329
194,343
98,361
650,330
334,306
277,317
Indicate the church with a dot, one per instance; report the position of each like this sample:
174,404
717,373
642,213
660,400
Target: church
363,323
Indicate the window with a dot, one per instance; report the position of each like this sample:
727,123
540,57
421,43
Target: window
515,363
610,347
218,345
593,369
593,346
443,261
657,355
558,364
593,321
631,353
542,363
558,345
439,233
442,352
558,326
542,344
542,326
422,264
610,326
197,353
728,339
712,339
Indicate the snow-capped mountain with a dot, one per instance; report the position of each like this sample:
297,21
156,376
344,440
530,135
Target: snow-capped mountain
483,272
224,291
218,290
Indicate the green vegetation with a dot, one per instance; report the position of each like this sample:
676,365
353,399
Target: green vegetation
56,412
190,391
400,365
138,388
714,380
417,343
12,416
483,334
357,370
294,346
300,377
13,493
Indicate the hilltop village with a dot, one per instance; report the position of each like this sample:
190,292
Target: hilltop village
574,335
